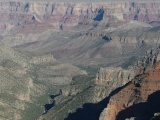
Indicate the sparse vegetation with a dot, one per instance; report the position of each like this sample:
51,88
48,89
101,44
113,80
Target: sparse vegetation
129,62
90,70
47,47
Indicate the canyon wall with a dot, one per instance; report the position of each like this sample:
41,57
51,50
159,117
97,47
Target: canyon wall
135,99
107,76
80,15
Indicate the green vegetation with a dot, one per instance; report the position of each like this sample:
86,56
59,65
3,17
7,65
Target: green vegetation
90,70
69,104
8,63
82,79
36,109
129,62
155,29
76,36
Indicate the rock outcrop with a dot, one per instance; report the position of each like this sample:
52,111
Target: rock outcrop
69,32
42,59
136,99
107,76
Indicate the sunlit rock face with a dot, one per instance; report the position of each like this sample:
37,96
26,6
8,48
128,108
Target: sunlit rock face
117,75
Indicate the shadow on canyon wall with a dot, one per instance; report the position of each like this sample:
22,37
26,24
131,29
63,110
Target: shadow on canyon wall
100,15
50,104
143,111
91,111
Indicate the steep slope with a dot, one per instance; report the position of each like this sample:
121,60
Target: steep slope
84,34
138,100
85,98
27,80
79,103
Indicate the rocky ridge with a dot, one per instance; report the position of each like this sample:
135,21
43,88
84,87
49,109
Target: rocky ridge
127,30
84,98
135,98
115,75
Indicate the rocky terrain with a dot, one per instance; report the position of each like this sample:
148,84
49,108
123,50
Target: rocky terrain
139,99
60,15
85,98
24,79
73,60
107,88
69,30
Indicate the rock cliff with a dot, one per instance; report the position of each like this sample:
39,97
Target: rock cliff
98,34
85,95
109,75
70,15
136,99
42,59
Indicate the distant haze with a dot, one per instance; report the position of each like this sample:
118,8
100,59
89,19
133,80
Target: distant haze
86,0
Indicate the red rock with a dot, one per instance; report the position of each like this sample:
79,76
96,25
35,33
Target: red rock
137,91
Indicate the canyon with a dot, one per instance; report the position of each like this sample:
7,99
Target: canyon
69,30
79,60
75,16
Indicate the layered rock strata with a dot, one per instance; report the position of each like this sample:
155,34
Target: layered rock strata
116,75
129,101
47,15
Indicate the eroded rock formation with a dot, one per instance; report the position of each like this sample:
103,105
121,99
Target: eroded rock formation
134,100
42,59
107,76
68,15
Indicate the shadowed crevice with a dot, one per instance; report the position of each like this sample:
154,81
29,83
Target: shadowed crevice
100,15
91,111
144,111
